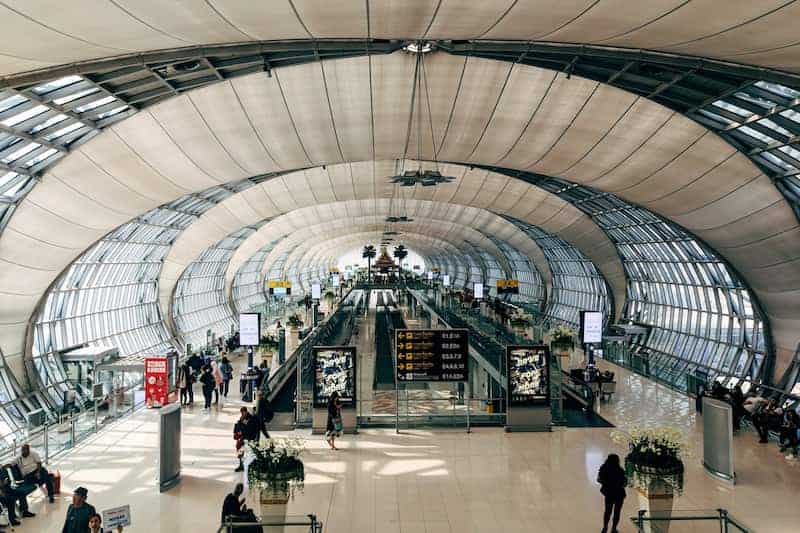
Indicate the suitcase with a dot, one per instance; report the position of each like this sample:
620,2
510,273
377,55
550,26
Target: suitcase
56,482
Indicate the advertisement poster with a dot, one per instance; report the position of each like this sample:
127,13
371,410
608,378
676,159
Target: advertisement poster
446,280
528,375
156,384
316,291
334,370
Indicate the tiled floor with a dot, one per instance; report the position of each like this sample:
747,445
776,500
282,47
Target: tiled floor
424,481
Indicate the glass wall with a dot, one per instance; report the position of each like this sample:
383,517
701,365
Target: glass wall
201,302
109,295
248,290
577,285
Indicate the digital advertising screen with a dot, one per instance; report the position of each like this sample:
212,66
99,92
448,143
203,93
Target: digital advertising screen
477,290
316,291
446,280
334,370
249,329
528,376
591,327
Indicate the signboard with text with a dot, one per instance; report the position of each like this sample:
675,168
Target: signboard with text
528,379
249,329
316,291
117,517
507,286
156,383
432,354
591,327
477,290
279,287
446,280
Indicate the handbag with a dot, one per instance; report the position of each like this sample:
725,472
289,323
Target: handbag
337,424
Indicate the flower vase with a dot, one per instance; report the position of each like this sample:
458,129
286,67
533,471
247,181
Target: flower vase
274,500
657,499
564,351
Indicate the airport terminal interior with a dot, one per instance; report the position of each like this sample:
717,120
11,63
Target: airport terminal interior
399,266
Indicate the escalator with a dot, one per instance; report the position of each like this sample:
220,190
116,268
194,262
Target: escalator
387,320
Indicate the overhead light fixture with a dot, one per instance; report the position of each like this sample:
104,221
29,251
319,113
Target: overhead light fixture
419,47
399,219
411,177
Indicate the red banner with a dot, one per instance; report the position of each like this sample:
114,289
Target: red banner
156,384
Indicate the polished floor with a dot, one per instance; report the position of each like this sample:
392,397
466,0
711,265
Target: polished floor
423,481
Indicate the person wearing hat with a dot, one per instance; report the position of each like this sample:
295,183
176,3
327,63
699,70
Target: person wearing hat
79,513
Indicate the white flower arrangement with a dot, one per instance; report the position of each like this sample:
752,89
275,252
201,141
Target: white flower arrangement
561,334
655,453
276,464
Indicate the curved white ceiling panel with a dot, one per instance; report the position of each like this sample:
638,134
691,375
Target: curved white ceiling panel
40,34
308,115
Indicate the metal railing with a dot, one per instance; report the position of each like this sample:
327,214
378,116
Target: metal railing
308,522
54,438
679,521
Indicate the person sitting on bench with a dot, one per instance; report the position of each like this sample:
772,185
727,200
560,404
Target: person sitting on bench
30,466
9,496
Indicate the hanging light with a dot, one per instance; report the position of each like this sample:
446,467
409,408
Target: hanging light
417,176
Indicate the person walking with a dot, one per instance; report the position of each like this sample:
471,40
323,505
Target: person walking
612,481
78,513
218,380
207,380
227,375
333,428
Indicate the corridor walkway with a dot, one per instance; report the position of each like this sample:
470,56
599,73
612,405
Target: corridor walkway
422,481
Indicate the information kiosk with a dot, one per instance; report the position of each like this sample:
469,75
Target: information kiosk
334,370
528,398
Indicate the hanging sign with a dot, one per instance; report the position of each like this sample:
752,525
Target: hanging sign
507,286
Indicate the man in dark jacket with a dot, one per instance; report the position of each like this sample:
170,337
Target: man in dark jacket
79,513
209,384
264,413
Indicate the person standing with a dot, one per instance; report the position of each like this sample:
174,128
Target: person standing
737,406
78,513
217,373
30,466
264,413
333,429
227,375
207,380
186,381
612,481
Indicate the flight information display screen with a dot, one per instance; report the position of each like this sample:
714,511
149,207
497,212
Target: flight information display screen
334,370
528,377
432,354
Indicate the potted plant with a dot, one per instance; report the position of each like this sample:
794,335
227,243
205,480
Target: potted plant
267,346
654,467
295,322
276,470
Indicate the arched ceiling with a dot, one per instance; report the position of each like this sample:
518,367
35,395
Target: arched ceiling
482,112
309,197
39,34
